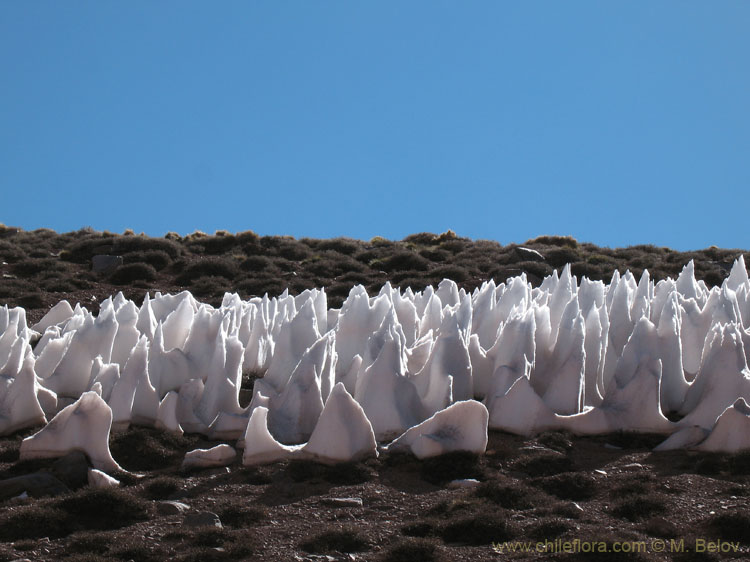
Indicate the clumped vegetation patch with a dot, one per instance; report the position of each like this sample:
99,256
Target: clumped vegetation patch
452,466
413,550
343,539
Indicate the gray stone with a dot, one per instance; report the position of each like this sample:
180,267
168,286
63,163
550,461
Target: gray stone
72,469
35,485
527,254
342,502
103,263
169,507
202,519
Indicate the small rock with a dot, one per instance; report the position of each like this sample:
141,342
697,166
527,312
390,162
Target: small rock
35,485
632,466
602,472
342,502
103,263
203,519
170,507
464,483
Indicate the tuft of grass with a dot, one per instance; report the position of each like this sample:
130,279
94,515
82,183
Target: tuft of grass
638,508
509,496
141,449
452,466
543,464
162,487
569,486
239,515
103,508
343,539
550,528
477,530
128,273
418,529
413,550
731,526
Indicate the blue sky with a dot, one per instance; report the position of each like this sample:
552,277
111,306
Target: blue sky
615,122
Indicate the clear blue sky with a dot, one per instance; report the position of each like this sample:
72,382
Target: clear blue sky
615,122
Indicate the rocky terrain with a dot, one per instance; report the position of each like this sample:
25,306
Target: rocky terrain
525,499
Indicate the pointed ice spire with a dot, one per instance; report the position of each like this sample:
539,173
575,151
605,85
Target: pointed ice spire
343,433
83,426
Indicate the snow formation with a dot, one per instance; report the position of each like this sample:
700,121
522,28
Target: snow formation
430,371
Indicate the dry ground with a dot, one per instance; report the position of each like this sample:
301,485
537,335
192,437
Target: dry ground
607,492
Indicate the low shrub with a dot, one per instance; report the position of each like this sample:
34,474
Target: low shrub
128,273
344,539
569,486
451,466
543,464
413,550
477,530
403,260
731,526
637,508
159,259
208,267
508,495
565,241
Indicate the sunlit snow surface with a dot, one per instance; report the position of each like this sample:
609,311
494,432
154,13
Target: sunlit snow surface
427,372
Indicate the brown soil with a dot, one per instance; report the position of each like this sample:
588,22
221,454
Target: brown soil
607,492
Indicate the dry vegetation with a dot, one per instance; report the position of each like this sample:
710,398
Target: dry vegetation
41,267
554,486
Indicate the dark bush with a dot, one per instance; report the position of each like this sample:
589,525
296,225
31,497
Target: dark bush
435,254
637,508
210,287
261,285
256,264
731,526
140,448
32,522
103,508
451,466
58,285
633,486
543,464
220,244
33,300
346,246
419,529
422,238
162,487
401,261
453,272
477,530
242,515
208,267
413,550
345,539
509,496
558,257
34,266
557,440
549,529
125,244
126,274
159,259
568,241
569,486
